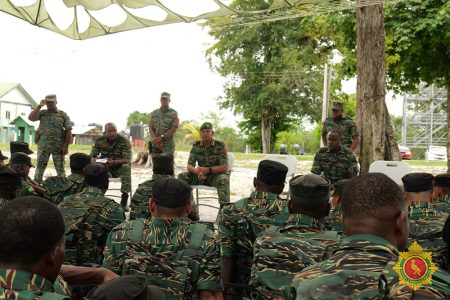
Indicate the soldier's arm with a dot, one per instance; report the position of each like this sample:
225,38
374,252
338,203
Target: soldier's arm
125,155
226,240
324,134
223,163
150,127
356,138
175,122
34,114
85,275
209,282
114,253
316,168
353,167
192,160
95,151
68,128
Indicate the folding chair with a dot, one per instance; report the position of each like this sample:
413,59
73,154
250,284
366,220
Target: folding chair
393,169
289,161
117,180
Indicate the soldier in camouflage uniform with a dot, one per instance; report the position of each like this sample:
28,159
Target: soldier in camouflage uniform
283,251
335,162
441,193
212,170
23,147
2,159
21,163
117,149
55,134
162,126
345,124
333,221
376,223
89,217
57,188
167,236
425,223
236,254
10,185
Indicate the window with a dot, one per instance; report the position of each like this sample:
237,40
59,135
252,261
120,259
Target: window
23,114
8,115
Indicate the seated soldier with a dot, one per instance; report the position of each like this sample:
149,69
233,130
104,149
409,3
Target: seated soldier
89,217
162,167
281,252
168,245
21,163
59,187
375,220
2,159
425,223
117,150
441,193
333,221
265,201
212,170
10,185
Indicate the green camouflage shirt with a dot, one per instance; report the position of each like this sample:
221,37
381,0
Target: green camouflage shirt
353,272
442,204
117,149
161,122
345,125
214,155
89,217
139,203
52,128
27,188
166,237
333,221
334,166
57,187
22,285
283,251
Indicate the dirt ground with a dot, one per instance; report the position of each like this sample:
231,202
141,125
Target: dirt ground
240,186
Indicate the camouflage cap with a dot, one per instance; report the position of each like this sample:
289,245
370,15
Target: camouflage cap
310,187
2,157
171,192
442,180
165,95
206,125
9,177
338,105
50,98
338,187
20,147
271,172
418,182
20,158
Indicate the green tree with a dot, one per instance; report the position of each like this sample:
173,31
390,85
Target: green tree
137,117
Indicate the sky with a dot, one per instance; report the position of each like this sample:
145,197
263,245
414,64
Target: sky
104,79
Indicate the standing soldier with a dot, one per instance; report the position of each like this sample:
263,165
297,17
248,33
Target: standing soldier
345,124
162,126
55,134
117,150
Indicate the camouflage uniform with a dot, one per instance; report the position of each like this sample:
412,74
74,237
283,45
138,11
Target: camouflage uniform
333,221
117,149
52,136
214,155
282,252
442,204
86,234
161,122
345,125
164,238
354,272
22,285
334,166
27,188
57,188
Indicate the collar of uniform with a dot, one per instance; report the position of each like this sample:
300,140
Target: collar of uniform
212,143
340,151
296,221
175,222
18,280
419,204
93,190
367,242
443,199
158,176
78,178
263,195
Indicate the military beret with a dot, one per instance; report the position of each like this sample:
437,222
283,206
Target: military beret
311,187
162,159
206,125
20,158
339,186
165,95
20,147
95,173
442,180
171,192
2,157
10,176
418,182
338,105
50,98
271,172
79,160
126,288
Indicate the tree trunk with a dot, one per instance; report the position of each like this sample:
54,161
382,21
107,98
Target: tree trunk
266,133
448,124
377,142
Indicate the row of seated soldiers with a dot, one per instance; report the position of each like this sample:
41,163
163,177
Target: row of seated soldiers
266,247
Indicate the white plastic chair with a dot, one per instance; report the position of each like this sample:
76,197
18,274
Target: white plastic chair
393,169
211,188
289,161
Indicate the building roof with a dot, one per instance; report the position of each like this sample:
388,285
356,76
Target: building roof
7,87
28,122
93,130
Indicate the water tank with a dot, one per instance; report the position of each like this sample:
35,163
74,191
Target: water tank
137,131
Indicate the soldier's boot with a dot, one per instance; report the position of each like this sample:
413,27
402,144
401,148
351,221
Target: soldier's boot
123,202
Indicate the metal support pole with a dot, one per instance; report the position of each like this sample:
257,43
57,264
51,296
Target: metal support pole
325,96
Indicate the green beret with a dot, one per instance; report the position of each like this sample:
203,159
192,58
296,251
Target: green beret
338,105
171,192
310,187
339,187
206,125
165,95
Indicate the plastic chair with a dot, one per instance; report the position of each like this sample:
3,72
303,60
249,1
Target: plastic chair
118,180
211,188
289,161
393,169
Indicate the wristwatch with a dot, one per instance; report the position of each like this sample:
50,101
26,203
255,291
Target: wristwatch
162,136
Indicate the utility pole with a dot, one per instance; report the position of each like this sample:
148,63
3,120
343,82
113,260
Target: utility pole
327,73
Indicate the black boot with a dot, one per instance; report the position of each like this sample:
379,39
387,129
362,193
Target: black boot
123,202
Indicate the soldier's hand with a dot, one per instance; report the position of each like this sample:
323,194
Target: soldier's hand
43,102
110,162
157,140
64,149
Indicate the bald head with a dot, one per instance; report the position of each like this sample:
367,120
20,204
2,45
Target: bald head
111,131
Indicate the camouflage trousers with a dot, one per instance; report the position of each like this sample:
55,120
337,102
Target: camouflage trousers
168,147
43,156
124,172
220,181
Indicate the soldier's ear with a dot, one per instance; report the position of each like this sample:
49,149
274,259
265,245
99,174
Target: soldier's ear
152,205
188,208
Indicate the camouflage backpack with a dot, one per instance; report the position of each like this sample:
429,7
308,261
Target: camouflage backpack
176,275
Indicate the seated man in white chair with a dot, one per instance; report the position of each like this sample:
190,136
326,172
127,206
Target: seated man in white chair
208,164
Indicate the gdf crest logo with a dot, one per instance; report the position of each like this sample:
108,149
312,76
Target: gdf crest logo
415,267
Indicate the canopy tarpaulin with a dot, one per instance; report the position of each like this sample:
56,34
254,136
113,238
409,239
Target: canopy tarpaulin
83,19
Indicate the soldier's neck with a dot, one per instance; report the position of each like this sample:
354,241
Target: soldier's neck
164,109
